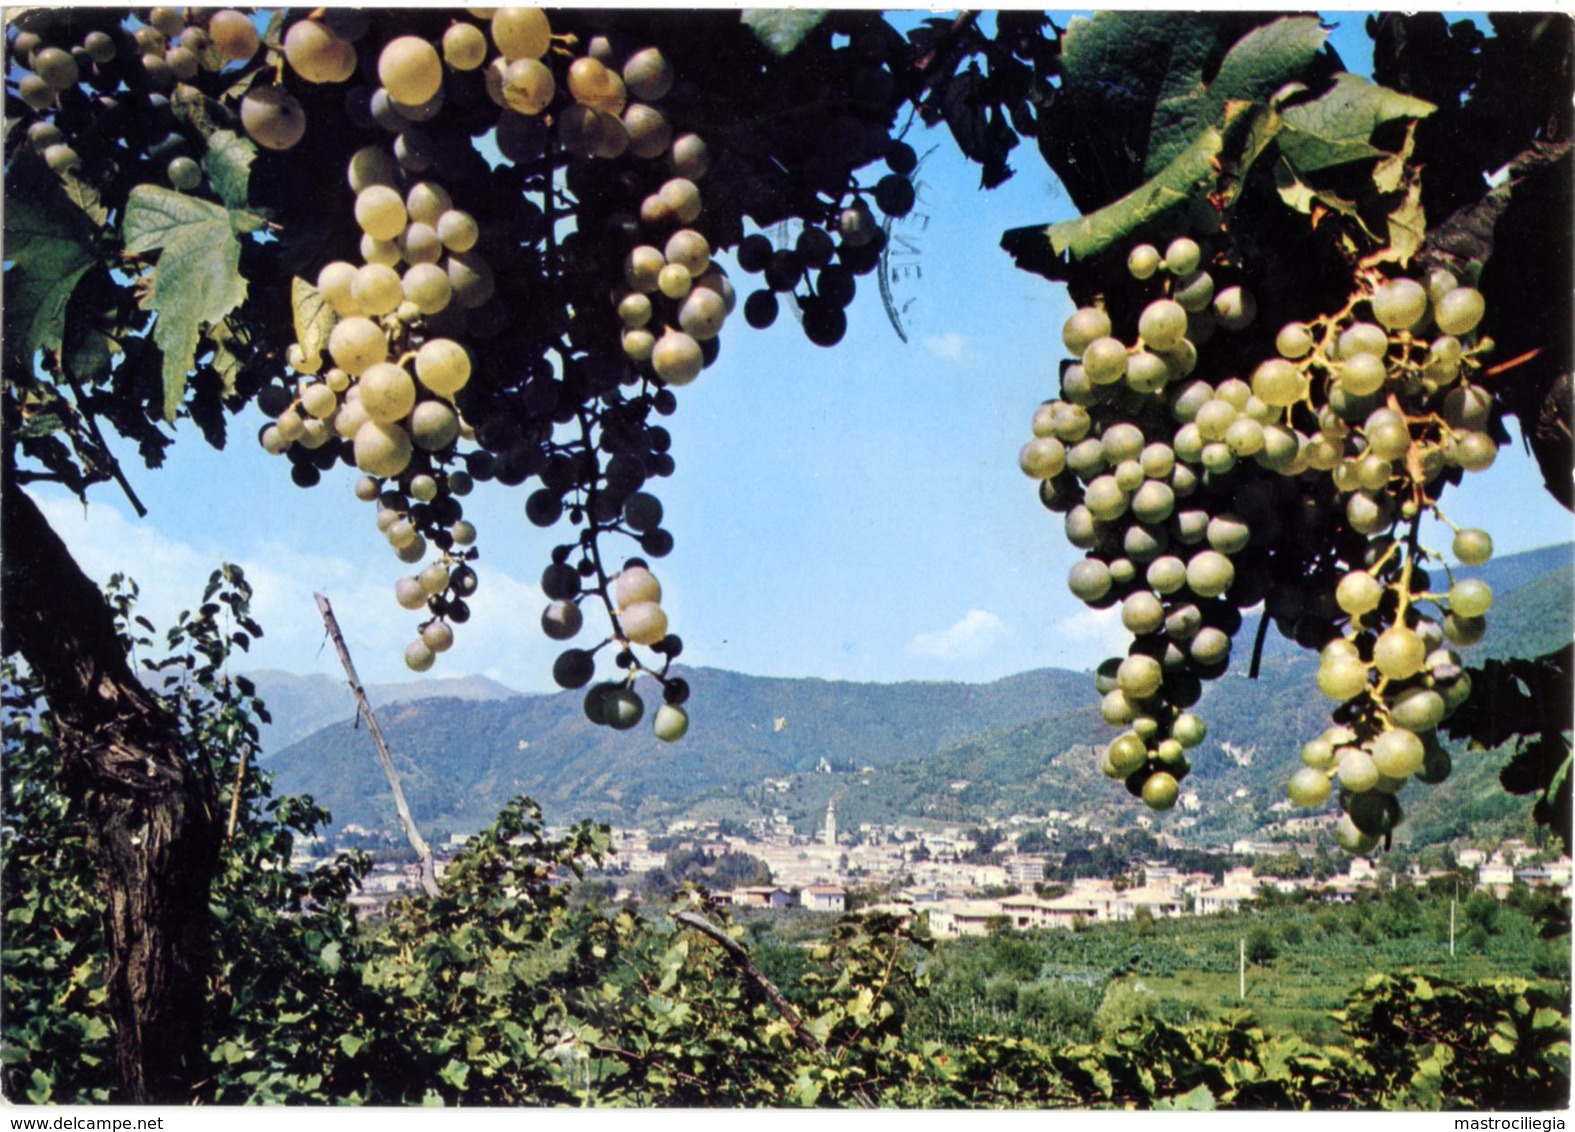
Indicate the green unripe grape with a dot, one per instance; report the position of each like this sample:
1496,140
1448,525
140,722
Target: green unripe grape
382,450
1358,593
1308,787
1182,257
670,723
1084,326
1400,304
1444,356
1210,646
1459,311
410,70
1086,458
1361,374
1153,502
380,211
1228,533
677,358
1116,709
1280,450
1188,444
183,173
643,622
1476,452
1277,382
410,593
1195,292
1167,574
1162,325
1397,753
1122,571
1210,573
458,230
1470,597
1129,476
1143,261
418,656
1214,417
377,289
1127,753
387,392
1080,528
1105,675
1105,361
1464,631
1071,422
1042,458
1387,435
1160,791
1294,341
1399,653
433,426
437,636
1121,441
1157,460
1468,408
1472,547
1188,399
1235,308
1368,514
1318,754
1352,839
1142,613
1358,773
1169,753
1373,473
1342,678
1140,676
1104,499
1244,437
1417,710
1189,730
356,344
1077,388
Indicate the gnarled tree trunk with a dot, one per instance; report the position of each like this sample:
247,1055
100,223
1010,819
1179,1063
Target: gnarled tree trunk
154,830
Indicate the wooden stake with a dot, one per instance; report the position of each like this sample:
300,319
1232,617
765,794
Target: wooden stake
235,794
423,850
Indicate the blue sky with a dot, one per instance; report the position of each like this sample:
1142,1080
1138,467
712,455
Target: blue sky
853,513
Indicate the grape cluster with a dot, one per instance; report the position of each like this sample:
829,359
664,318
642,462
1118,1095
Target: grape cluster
1198,494
98,86
822,267
413,320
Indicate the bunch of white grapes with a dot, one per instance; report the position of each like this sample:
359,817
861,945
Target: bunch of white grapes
1192,494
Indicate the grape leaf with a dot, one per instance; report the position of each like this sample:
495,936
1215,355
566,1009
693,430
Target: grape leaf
782,29
1337,128
1088,235
1260,63
228,164
314,318
47,249
198,278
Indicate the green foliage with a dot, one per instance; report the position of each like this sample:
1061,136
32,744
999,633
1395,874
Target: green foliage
1501,1044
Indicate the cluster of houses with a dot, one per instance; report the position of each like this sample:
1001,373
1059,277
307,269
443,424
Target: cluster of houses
931,872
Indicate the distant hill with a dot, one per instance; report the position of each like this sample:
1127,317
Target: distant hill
461,760
301,705
883,752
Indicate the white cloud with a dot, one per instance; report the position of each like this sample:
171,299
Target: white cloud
950,346
974,635
1090,632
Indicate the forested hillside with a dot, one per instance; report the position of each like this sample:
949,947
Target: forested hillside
937,751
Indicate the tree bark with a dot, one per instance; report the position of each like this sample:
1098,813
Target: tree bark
155,834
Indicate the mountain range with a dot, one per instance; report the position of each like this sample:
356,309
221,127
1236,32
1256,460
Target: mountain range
882,752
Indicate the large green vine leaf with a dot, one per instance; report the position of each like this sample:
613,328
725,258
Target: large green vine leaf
1337,128
46,244
1260,63
782,29
198,278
